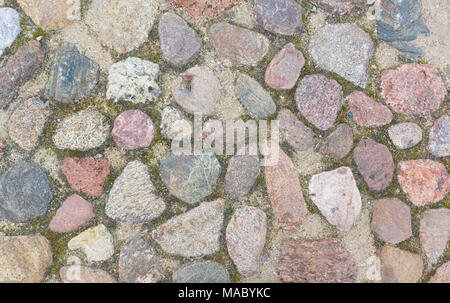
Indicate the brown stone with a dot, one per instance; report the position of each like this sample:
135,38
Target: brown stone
205,8
366,111
339,143
399,266
434,232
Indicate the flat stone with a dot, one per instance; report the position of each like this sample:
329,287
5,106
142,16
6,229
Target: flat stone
201,272
319,261
25,192
195,233
442,274
339,143
366,111
83,274
391,220
284,69
256,100
423,181
174,125
399,266
439,138
179,42
297,134
434,232
133,80
24,259
319,100
133,129
133,197
405,135
281,16
190,178
342,7
336,195
96,243
242,172
375,163
26,123
204,8
239,45
413,89
74,213
9,27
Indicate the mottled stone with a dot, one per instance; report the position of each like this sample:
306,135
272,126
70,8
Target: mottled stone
279,16
242,172
339,143
399,266
434,232
442,274
83,274
174,125
284,69
133,129
201,272
204,8
439,138
74,213
405,135
342,7
9,27
96,243
297,134
366,111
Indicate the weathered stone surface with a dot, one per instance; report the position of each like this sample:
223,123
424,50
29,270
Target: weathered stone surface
423,181
246,236
190,178
344,49
25,192
319,100
339,143
366,111
133,198
413,89
205,8
375,163
297,134
336,195
284,69
256,100
405,135
24,259
342,7
242,172
173,124
318,261
133,129
439,138
442,274
96,243
133,80
239,45
83,274
201,272
434,232
391,220
74,213
399,266
279,16
194,233
9,27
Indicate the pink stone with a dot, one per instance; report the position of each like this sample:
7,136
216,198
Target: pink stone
368,112
73,214
442,274
83,274
133,129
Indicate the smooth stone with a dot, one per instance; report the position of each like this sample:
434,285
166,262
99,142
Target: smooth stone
74,213
339,143
399,266
279,16
242,172
96,243
342,7
204,8
83,274
439,138
298,135
434,232
366,111
9,27
133,129
201,272
405,135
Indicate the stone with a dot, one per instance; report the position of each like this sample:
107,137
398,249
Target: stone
96,243
9,27
298,135
366,111
442,274
439,138
133,129
339,143
319,100
246,236
53,14
193,234
26,123
317,261
423,181
133,80
24,259
256,100
238,45
84,274
413,89
342,7
179,42
280,16
87,175
391,220
399,266
204,8
344,49
201,272
133,197
242,172
74,213
204,94
405,135
386,56
122,25
190,178
139,263
434,232
336,195
375,163
25,192
284,69
83,130
173,124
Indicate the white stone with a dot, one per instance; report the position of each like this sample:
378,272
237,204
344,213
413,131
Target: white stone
9,27
96,243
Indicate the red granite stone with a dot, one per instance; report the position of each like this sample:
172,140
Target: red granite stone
133,129
73,214
204,8
366,111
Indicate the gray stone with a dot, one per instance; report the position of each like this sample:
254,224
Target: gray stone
174,125
297,134
96,243
405,135
242,172
342,7
439,138
279,16
434,232
339,143
201,272
9,27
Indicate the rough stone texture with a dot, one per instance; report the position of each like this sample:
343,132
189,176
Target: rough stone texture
297,134
439,138
391,220
319,100
204,8
9,27
405,135
25,192
190,178
442,274
336,195
423,181
413,89
133,129
339,143
173,124
344,49
434,232
133,80
239,45
194,233
256,100
284,69
179,42
201,272
96,243
386,56
246,236
83,274
399,266
342,7
318,261
375,163
279,16
366,111
24,259
74,213
133,197
242,173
